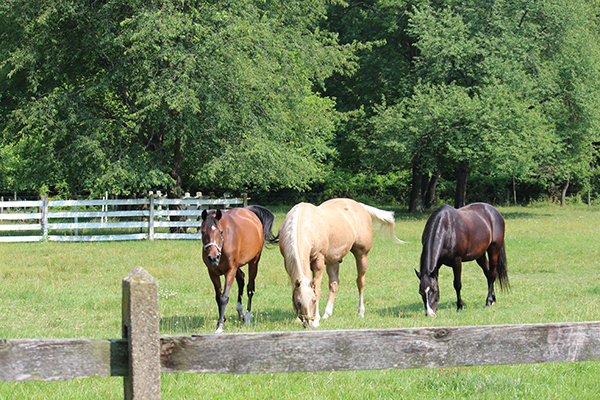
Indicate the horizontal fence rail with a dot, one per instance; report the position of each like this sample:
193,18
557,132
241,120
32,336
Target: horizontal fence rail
141,356
104,217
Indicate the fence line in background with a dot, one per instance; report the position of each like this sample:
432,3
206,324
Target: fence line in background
146,214
142,355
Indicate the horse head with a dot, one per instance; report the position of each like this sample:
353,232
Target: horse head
212,236
430,292
305,301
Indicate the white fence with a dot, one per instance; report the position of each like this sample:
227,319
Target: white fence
104,218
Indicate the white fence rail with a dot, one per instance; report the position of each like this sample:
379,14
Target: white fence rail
64,220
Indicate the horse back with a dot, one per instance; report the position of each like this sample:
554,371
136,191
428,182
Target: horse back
246,232
478,226
348,225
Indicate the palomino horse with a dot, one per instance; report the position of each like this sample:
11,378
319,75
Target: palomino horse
313,238
232,239
452,236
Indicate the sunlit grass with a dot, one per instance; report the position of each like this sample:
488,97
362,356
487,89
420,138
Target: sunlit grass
74,290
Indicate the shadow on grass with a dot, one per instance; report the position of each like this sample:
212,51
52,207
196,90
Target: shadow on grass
414,309
182,323
274,315
522,215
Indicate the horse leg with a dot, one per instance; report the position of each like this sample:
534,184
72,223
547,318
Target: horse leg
489,269
457,268
239,277
361,268
317,266
333,271
252,270
223,299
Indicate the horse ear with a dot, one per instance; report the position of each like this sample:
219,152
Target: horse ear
418,274
219,215
204,215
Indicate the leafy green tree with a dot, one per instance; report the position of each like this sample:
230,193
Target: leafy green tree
503,89
127,96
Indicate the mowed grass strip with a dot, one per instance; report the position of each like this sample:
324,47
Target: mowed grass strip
73,290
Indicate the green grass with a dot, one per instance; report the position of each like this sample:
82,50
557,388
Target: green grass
74,290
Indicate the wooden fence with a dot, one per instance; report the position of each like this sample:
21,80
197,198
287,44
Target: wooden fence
142,355
105,217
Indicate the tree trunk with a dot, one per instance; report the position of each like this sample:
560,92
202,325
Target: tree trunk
462,174
429,197
416,194
175,191
514,190
563,200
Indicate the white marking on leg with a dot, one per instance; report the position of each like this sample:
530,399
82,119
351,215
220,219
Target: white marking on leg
315,322
328,311
240,309
361,306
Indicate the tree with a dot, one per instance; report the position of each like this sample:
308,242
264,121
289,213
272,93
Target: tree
127,96
496,92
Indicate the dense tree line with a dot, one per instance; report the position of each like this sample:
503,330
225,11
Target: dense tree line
403,101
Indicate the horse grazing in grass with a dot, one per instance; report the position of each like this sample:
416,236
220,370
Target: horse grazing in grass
452,236
314,238
232,239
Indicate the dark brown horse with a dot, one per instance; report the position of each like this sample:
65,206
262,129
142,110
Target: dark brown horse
230,240
452,236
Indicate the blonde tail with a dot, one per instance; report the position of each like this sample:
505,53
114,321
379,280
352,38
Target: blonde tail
386,219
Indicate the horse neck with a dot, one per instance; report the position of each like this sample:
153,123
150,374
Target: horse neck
289,238
434,236
230,228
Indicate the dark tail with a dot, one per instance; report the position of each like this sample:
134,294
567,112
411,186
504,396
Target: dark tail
267,218
501,270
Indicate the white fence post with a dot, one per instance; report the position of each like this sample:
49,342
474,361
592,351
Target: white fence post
151,218
45,218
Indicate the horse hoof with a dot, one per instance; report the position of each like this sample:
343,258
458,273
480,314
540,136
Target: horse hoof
248,318
240,309
219,329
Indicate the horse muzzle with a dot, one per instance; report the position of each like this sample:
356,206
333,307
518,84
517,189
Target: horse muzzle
213,254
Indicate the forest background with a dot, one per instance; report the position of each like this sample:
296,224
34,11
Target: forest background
394,102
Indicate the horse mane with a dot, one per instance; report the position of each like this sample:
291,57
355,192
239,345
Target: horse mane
288,242
433,239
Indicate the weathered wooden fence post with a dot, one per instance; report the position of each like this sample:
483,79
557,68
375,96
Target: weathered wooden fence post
245,196
141,329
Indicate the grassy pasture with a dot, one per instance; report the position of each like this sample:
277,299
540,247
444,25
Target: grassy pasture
74,290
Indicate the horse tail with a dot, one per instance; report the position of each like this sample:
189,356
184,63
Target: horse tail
385,218
266,218
501,269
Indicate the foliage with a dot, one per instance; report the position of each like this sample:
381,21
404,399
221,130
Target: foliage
488,78
265,96
132,95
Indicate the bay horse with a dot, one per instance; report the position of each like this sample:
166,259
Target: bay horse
313,239
452,237
232,239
